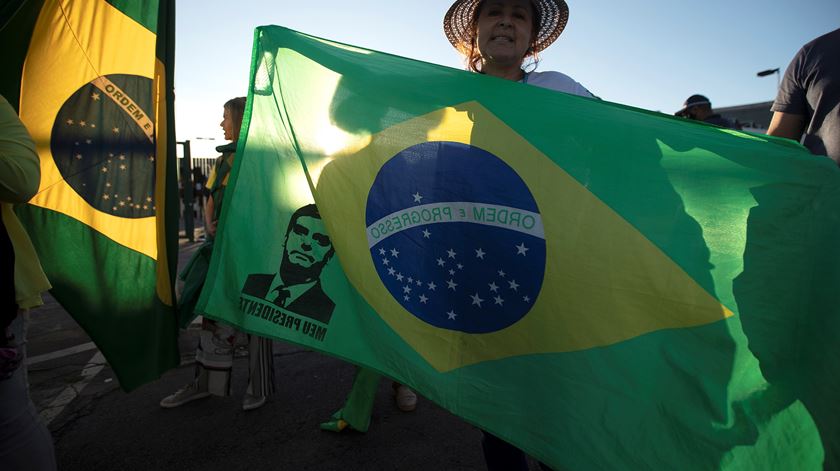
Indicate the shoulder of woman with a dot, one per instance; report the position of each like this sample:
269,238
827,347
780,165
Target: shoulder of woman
558,81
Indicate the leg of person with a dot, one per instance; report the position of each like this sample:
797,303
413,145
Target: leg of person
193,276
260,372
359,403
216,359
25,442
213,363
500,455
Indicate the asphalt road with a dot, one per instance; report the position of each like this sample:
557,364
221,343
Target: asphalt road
96,426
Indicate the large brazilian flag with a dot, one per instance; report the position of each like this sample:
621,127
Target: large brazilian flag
602,286
93,82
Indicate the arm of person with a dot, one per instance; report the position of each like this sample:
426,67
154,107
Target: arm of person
20,171
787,125
209,223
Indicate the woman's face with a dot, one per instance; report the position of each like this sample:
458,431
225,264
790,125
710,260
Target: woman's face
505,31
227,124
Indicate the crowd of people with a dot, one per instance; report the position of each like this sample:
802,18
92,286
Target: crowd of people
500,38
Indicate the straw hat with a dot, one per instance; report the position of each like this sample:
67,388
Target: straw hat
553,17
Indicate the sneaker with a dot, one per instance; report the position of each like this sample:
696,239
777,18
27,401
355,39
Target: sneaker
250,402
182,396
405,398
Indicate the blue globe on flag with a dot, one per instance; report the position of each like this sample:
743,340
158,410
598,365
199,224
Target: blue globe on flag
456,237
102,143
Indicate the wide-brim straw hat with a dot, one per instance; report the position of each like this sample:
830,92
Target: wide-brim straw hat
554,14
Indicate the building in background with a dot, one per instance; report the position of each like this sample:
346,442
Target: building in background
754,117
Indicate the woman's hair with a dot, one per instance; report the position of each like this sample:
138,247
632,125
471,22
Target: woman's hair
236,108
472,56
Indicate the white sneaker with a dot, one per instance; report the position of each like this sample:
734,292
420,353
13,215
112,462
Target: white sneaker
405,398
250,402
182,396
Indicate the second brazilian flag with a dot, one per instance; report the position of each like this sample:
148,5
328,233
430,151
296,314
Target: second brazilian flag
93,81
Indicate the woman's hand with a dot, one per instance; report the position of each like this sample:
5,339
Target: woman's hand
209,223
210,228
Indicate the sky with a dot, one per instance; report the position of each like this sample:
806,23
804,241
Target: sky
650,54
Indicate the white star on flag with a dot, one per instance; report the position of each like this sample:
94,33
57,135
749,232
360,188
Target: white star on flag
426,234
406,289
432,286
476,300
417,197
391,271
513,285
499,300
521,249
400,277
395,253
493,287
423,298
501,273
451,284
479,253
384,261
441,262
451,253
451,315
381,251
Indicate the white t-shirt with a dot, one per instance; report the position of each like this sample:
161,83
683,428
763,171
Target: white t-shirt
556,81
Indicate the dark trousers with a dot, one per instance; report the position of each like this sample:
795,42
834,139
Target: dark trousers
502,456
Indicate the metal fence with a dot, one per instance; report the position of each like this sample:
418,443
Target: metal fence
204,163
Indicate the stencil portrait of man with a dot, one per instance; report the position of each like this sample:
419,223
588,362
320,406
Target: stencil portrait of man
296,286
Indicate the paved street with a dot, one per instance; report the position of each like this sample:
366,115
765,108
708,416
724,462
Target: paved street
97,426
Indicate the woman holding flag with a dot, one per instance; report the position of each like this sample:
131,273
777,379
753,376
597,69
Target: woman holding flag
503,38
500,38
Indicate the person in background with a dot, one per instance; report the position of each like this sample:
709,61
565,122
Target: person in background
25,442
198,194
807,109
808,101
214,356
699,108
